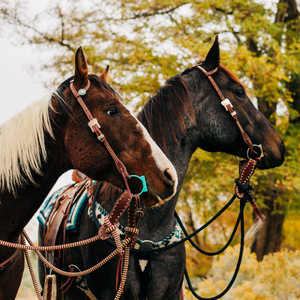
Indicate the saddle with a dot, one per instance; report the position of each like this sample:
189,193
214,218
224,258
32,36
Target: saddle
57,218
56,222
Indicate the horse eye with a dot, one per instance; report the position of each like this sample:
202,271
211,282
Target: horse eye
113,112
240,93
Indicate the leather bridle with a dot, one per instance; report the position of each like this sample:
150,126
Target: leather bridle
95,128
229,107
135,210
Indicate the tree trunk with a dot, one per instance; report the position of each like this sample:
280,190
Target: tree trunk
269,238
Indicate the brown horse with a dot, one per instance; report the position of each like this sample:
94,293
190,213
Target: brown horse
52,136
189,107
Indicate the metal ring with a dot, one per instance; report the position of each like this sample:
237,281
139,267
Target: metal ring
149,242
261,150
239,159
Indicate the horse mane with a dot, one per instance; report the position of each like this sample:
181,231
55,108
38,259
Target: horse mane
172,98
22,144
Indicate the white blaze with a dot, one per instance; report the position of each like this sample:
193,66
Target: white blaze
161,160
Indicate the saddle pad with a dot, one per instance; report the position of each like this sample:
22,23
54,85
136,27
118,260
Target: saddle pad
75,213
175,236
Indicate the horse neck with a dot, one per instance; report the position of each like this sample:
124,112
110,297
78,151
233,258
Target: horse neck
159,220
16,211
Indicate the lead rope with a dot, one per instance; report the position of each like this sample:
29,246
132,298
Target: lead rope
33,278
75,274
80,273
243,192
124,273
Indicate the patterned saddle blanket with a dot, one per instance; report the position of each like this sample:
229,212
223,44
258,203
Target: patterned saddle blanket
75,213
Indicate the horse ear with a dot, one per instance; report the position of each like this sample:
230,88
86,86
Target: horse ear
213,57
104,75
81,69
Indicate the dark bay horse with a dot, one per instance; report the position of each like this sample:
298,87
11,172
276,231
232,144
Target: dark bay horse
52,136
185,114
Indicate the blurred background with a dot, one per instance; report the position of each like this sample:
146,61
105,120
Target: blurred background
147,42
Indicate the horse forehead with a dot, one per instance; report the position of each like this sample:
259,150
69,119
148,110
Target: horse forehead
223,80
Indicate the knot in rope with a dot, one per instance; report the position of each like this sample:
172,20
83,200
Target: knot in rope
111,228
132,230
242,188
245,189
139,212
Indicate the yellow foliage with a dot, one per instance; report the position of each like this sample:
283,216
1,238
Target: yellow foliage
277,277
291,231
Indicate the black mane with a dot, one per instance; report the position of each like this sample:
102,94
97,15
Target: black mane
172,98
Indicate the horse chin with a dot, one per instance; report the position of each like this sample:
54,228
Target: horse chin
269,162
152,199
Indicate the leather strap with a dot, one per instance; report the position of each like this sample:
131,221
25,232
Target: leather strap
55,224
228,106
135,212
247,168
118,209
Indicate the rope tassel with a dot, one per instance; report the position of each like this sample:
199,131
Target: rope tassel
119,270
124,274
257,212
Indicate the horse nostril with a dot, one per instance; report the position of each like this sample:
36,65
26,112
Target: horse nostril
169,177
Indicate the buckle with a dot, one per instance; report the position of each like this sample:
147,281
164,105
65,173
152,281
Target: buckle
93,123
225,103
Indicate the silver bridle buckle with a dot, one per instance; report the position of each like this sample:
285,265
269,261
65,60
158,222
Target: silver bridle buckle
93,123
225,103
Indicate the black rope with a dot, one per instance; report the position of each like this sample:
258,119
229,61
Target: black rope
188,237
242,206
203,251
248,197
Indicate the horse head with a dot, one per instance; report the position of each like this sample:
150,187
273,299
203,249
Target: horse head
126,136
216,128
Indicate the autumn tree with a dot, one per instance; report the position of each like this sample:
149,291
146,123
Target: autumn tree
146,42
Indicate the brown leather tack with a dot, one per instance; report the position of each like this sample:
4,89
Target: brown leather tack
118,209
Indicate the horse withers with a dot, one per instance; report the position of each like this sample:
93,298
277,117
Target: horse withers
52,136
189,107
